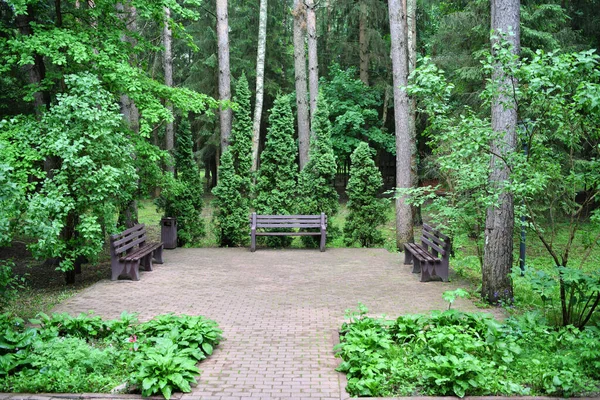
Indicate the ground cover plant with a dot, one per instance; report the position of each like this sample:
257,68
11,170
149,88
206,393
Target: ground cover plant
458,353
89,354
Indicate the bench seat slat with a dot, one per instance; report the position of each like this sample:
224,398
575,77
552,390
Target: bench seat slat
420,253
141,252
287,217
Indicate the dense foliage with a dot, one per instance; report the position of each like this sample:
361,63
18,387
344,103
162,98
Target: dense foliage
181,195
278,174
88,354
457,353
231,209
366,210
554,176
241,137
316,181
91,171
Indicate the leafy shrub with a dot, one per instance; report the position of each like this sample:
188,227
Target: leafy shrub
366,211
88,354
9,283
457,353
230,208
277,177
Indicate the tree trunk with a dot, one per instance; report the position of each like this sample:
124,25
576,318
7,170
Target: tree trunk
260,78
498,250
225,114
300,75
168,67
313,63
363,44
399,54
411,8
36,72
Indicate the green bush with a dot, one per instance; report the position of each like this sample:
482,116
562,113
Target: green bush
88,354
277,177
366,211
9,283
230,208
181,195
457,353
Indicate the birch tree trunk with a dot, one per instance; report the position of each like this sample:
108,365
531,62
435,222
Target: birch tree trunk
313,63
301,81
260,78
168,67
399,50
363,42
225,114
499,223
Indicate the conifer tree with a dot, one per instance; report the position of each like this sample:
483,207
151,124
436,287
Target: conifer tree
181,196
317,180
366,210
231,208
277,177
241,136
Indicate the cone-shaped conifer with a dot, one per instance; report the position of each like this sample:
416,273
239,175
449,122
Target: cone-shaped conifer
366,211
241,135
278,173
231,209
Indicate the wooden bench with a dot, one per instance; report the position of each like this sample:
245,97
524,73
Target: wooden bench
129,250
287,222
431,257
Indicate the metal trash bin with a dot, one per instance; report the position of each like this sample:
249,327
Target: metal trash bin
168,232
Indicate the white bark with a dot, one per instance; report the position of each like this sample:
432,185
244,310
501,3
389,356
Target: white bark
129,110
225,114
168,67
313,63
300,75
411,7
260,78
399,54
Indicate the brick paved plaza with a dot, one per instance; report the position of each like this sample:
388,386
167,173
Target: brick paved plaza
279,311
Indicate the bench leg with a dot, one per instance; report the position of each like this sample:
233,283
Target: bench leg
158,255
426,269
417,267
441,270
134,270
323,241
408,257
252,242
116,270
146,262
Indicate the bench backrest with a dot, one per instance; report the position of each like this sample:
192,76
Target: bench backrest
288,221
437,243
125,241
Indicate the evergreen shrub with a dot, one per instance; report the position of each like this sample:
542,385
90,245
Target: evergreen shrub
231,209
241,136
277,177
366,211
181,195
316,182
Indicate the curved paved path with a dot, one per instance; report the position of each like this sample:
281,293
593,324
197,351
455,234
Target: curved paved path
279,311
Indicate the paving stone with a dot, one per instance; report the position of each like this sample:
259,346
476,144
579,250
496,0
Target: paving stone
279,310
